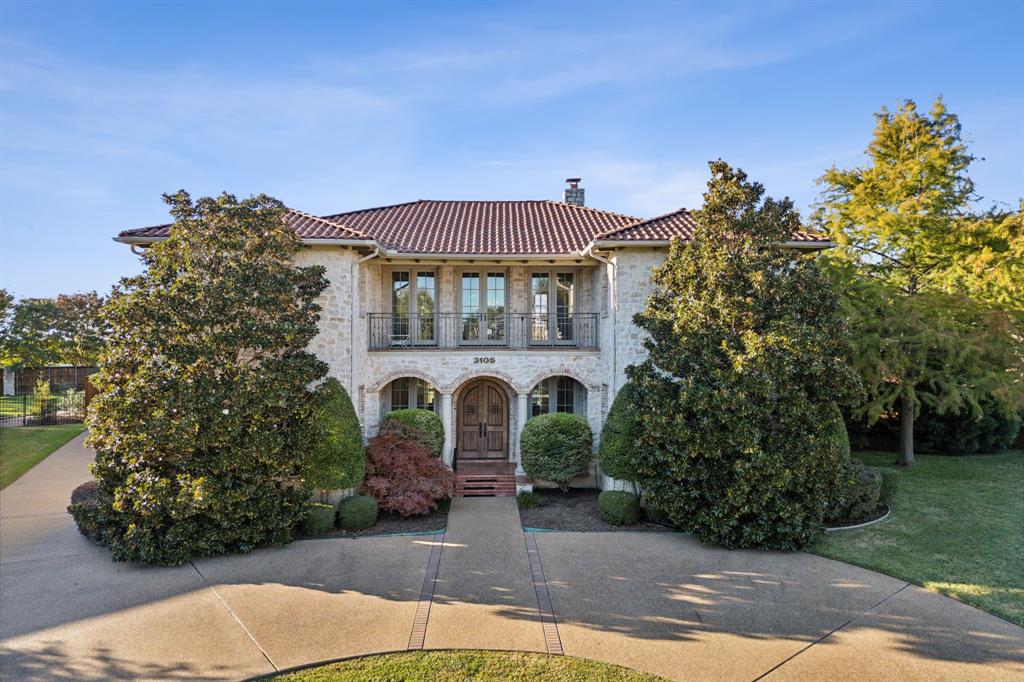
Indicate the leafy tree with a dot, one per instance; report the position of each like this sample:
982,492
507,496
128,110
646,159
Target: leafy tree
747,351
79,328
202,388
40,331
908,247
30,340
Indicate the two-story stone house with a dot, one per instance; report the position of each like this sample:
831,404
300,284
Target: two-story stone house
487,312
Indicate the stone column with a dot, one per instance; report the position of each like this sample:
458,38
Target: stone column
522,413
10,377
448,450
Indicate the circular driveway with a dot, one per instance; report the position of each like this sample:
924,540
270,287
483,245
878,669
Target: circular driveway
657,602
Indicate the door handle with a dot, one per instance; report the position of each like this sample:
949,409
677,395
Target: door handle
483,429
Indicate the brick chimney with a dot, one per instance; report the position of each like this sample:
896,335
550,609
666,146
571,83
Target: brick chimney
573,193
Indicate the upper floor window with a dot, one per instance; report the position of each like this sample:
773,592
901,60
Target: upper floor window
413,305
552,304
482,305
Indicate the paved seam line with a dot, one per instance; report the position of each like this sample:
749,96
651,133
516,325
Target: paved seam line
552,640
828,634
237,619
419,621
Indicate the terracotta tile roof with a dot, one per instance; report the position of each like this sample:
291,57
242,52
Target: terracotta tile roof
305,225
483,227
677,224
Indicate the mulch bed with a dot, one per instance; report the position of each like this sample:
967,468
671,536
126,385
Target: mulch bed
575,510
389,524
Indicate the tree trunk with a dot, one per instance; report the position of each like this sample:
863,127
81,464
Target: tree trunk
906,431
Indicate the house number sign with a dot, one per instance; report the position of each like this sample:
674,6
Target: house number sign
483,360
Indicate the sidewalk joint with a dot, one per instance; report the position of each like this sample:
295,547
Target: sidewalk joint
235,616
829,634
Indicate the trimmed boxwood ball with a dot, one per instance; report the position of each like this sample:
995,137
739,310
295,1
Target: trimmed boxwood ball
556,447
319,519
357,513
618,507
416,424
617,449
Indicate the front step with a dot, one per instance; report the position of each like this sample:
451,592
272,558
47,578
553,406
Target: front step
485,485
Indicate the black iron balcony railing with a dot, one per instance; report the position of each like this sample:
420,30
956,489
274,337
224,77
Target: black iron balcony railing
396,331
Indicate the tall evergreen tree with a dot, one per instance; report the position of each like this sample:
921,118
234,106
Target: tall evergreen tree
746,354
203,387
907,246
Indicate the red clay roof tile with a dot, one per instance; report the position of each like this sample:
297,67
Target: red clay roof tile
678,224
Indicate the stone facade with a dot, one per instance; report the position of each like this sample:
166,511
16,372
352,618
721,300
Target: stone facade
616,290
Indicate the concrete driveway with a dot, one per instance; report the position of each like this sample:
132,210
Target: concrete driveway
657,602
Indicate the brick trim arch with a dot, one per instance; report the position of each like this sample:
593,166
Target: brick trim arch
402,374
561,371
459,381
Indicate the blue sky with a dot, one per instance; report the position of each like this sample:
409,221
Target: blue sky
338,106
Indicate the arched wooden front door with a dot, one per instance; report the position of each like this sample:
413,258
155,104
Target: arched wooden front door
483,421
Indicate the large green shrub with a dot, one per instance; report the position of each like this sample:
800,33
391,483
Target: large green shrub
890,483
199,423
747,350
965,433
617,449
857,493
358,512
416,424
336,459
618,507
556,447
835,431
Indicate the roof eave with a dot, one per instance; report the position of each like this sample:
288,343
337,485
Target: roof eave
305,242
792,244
576,255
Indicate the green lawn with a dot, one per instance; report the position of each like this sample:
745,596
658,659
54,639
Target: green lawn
12,405
22,447
956,527
467,665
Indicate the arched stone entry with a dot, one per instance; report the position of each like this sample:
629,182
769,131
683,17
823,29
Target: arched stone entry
482,431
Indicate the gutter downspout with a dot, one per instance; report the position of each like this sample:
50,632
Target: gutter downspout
589,253
354,274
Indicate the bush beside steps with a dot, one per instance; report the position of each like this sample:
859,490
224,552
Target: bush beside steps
357,513
319,519
618,508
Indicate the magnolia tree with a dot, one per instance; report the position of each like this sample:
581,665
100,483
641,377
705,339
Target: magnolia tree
202,420
746,353
934,291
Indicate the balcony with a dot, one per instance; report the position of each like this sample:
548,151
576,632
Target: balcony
526,331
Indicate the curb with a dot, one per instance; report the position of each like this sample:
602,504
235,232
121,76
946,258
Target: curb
883,517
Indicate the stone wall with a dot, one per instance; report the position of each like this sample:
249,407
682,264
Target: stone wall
358,289
339,313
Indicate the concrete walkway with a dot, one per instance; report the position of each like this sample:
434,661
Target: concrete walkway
657,602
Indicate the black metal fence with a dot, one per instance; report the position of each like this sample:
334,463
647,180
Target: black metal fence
31,410
394,331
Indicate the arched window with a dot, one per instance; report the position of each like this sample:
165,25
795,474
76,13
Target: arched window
558,394
408,392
